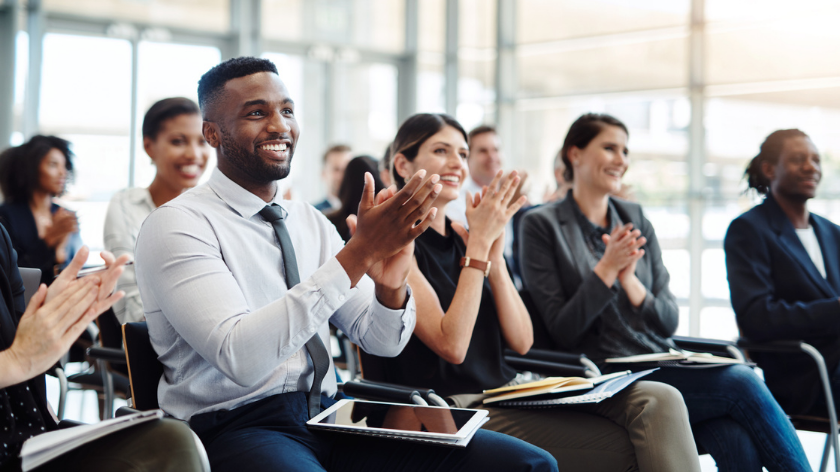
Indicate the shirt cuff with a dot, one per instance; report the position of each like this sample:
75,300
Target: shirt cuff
396,319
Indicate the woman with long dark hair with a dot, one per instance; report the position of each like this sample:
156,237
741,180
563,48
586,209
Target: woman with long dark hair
594,268
44,234
469,312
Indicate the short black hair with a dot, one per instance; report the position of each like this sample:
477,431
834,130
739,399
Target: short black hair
582,132
213,81
166,109
769,152
20,166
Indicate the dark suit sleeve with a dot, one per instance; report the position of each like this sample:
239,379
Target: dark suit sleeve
568,316
761,315
660,306
9,257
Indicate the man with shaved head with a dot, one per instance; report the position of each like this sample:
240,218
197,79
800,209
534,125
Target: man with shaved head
238,287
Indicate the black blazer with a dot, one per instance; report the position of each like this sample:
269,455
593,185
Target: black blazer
567,293
777,293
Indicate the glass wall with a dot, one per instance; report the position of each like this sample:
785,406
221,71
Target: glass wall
766,65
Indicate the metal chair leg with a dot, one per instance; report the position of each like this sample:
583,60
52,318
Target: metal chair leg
108,388
829,401
62,391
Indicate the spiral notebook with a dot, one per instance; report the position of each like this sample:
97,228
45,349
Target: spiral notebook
597,394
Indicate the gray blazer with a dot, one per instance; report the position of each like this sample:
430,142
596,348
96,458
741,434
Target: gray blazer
569,296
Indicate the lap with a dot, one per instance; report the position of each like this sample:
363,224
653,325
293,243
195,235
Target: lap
578,440
164,445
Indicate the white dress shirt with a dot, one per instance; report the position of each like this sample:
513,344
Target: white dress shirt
126,213
224,324
812,246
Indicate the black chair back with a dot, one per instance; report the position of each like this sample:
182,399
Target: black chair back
144,369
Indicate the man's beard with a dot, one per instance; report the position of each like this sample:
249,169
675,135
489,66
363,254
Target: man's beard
251,164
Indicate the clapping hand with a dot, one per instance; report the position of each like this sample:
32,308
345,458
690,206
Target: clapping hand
57,316
621,255
387,225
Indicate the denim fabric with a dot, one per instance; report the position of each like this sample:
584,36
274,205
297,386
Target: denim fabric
738,394
271,435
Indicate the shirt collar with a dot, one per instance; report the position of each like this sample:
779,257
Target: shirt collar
242,201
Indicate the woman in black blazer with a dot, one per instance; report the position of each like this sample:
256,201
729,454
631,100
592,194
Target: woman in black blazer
784,270
594,269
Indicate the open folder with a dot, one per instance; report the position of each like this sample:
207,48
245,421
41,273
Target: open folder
674,356
46,447
569,391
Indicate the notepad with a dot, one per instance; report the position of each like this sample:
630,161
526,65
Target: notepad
45,447
599,393
547,386
675,355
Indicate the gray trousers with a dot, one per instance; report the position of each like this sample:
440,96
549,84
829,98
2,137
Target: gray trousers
644,427
165,445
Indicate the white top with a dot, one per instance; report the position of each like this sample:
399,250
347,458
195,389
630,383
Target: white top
220,317
126,213
812,246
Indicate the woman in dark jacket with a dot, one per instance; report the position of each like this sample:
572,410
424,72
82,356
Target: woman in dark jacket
44,234
594,269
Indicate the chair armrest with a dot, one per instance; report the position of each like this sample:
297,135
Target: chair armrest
64,424
380,392
548,356
125,411
771,346
720,347
106,354
546,368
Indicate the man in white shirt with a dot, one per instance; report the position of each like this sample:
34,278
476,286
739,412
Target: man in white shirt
483,161
233,310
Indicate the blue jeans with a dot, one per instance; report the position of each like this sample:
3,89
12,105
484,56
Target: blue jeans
736,419
270,435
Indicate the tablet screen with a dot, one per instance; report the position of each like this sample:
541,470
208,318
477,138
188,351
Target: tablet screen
399,417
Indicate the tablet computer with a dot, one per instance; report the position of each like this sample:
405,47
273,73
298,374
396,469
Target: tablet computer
400,420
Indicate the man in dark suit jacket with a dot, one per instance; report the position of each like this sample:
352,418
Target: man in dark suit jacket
784,271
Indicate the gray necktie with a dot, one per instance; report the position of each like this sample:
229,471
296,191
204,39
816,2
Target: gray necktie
315,347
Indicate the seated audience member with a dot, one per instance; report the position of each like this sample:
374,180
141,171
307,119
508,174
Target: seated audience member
483,163
350,192
466,317
594,269
172,138
33,338
385,167
238,292
44,234
784,271
335,161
